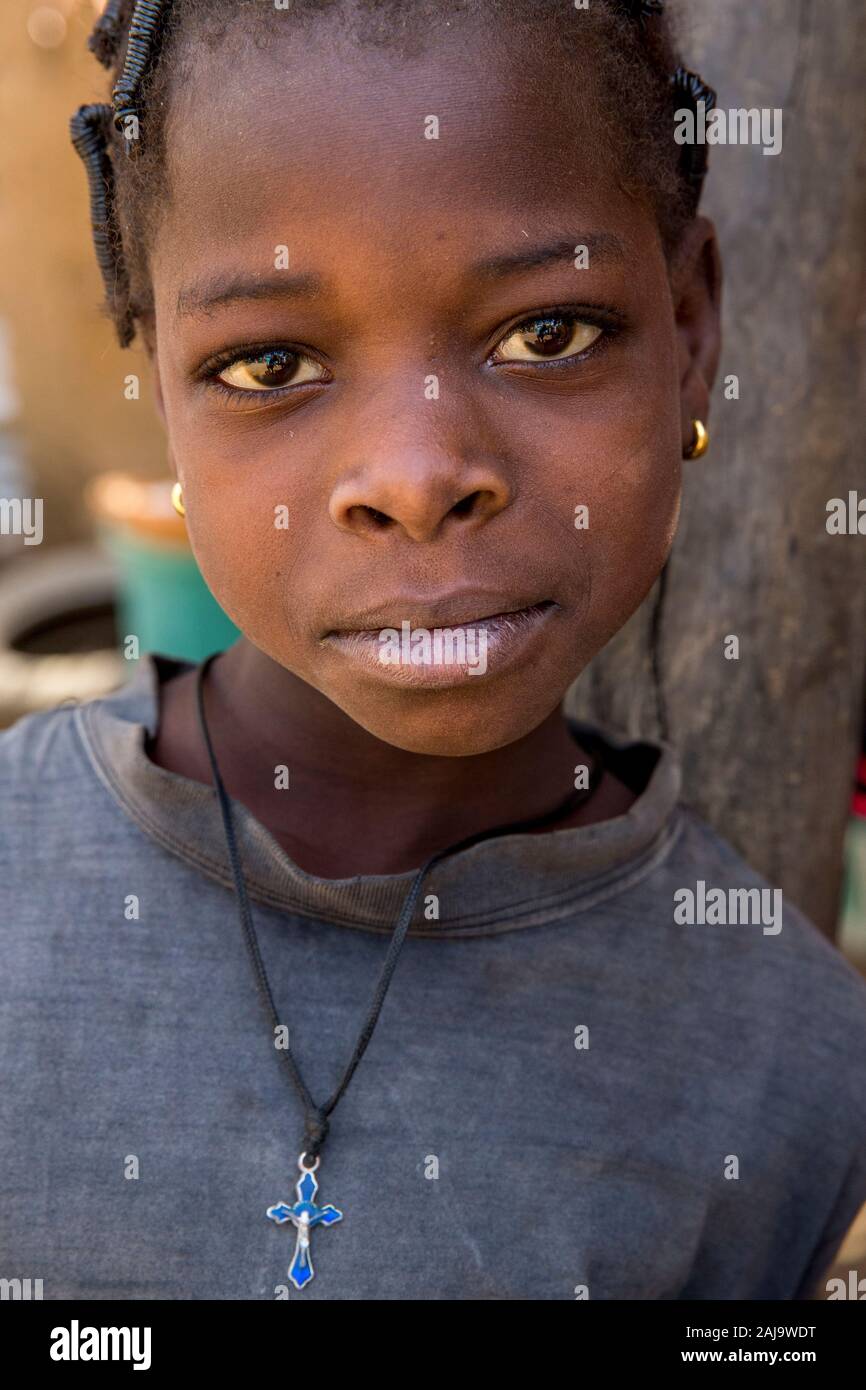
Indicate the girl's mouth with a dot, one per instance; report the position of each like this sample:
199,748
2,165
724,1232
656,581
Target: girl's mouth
408,653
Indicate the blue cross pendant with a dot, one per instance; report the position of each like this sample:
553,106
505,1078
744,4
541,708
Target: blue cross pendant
304,1215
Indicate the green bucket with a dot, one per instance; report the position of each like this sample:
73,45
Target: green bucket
165,602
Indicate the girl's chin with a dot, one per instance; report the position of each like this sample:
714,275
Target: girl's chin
450,725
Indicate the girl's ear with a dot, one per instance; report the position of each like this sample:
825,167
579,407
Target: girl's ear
696,283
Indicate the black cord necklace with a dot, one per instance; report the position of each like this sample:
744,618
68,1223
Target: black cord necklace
304,1214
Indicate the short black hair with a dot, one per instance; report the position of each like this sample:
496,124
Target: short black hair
142,42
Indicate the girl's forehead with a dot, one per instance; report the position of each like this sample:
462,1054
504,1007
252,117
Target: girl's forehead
314,140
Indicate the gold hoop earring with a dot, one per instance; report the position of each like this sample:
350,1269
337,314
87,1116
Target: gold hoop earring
177,499
700,441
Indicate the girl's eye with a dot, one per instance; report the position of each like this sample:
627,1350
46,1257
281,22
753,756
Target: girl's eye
547,337
271,370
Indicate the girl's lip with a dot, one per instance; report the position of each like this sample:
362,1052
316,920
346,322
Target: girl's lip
442,657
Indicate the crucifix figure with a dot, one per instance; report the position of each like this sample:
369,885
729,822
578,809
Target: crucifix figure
303,1216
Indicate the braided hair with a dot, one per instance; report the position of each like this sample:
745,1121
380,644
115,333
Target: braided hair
131,25
121,143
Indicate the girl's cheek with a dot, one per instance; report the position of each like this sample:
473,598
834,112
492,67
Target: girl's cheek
616,481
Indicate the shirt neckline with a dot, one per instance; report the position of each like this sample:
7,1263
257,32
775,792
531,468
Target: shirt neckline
505,883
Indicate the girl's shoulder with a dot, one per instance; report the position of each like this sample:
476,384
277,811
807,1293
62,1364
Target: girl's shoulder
49,759
39,752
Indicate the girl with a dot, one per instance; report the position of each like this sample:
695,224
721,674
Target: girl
433,320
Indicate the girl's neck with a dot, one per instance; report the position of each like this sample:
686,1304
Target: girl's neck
356,805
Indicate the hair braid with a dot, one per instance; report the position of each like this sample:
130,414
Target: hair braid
689,89
89,129
145,29
137,22
104,43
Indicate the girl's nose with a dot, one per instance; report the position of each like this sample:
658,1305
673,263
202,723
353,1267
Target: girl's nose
418,492
430,466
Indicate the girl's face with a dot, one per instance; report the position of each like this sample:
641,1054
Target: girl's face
397,392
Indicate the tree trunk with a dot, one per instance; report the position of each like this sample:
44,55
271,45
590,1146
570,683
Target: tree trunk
769,741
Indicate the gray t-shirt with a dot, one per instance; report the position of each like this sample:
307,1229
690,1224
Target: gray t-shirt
571,1091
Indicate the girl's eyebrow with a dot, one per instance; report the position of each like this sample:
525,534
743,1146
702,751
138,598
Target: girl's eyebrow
207,295
601,246
213,293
